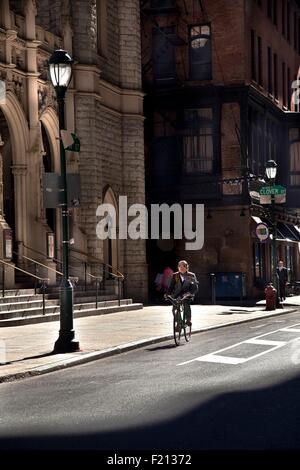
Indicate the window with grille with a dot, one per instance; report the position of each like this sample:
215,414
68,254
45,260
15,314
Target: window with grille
198,149
200,52
164,54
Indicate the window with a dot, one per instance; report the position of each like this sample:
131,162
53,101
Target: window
295,31
259,52
288,23
258,263
294,138
283,15
102,27
253,56
256,143
269,8
164,54
270,82
298,35
198,152
289,88
200,52
283,84
275,12
275,63
289,261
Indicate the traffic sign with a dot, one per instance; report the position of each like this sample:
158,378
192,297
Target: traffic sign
262,232
269,190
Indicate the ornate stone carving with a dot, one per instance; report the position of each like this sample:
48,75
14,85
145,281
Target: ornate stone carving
46,97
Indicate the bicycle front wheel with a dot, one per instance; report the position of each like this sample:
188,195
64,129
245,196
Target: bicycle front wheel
177,327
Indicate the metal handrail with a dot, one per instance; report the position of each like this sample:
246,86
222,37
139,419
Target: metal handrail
43,280
40,264
54,259
119,276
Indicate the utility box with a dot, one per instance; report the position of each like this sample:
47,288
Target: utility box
230,285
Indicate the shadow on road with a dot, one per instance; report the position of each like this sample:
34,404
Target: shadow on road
260,419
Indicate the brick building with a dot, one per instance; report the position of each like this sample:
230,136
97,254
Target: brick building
218,80
104,106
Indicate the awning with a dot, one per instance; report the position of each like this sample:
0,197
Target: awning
256,219
287,232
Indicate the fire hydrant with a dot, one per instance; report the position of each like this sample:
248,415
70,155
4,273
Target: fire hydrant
270,293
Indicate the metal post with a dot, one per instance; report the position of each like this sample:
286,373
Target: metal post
213,288
85,269
3,280
119,292
43,292
96,293
274,249
65,341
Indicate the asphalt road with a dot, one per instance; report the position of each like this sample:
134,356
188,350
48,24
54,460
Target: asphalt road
164,397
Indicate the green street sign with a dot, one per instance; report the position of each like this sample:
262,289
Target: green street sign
269,190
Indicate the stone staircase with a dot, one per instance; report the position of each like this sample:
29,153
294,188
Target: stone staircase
23,306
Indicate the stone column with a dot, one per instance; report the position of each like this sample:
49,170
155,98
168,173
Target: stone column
135,267
19,172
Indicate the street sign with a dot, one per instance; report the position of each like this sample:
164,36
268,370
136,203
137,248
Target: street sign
53,190
70,141
262,232
279,193
269,190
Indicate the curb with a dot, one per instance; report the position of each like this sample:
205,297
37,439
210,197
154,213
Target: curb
93,356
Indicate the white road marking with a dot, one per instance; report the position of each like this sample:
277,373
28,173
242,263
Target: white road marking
293,330
259,326
265,342
216,357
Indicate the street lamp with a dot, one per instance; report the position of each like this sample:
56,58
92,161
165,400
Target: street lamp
60,68
271,171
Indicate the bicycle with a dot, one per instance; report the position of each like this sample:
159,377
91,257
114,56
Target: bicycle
179,320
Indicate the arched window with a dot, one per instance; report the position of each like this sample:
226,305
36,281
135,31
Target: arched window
200,52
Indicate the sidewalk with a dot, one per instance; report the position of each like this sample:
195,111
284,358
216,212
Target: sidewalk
26,350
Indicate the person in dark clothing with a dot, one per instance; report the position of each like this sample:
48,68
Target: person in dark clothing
282,274
184,284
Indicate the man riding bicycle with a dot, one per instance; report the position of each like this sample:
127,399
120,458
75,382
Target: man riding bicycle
184,285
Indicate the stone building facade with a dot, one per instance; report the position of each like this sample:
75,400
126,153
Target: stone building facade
104,106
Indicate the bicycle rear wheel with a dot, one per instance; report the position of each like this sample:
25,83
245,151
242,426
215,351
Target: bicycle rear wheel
177,328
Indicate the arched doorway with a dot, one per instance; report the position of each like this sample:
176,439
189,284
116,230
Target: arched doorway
110,247
48,167
50,164
8,192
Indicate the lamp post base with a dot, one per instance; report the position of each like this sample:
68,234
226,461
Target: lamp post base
66,343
